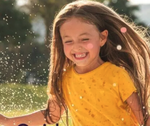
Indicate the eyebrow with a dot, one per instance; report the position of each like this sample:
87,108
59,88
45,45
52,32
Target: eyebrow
85,33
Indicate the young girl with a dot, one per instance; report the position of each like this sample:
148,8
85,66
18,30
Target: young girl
99,70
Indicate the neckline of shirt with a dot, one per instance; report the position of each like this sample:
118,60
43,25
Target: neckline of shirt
99,67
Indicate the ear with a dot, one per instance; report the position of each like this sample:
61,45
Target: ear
103,37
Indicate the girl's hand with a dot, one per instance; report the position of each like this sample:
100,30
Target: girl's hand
3,120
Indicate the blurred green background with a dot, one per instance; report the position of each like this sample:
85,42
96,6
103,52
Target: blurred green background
19,99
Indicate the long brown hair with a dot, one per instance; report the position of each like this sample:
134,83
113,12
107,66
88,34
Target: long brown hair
134,55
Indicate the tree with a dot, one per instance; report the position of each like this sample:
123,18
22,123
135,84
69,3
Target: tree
123,8
14,25
47,10
15,33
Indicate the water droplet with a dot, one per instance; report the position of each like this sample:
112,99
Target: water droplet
119,47
114,84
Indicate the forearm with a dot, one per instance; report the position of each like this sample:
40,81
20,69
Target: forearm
133,102
33,119
139,116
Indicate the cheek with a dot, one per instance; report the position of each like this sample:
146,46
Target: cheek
90,46
93,48
66,50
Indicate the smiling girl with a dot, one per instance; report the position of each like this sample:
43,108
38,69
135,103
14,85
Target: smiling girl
99,70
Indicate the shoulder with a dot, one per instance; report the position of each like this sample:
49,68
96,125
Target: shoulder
113,69
117,72
122,76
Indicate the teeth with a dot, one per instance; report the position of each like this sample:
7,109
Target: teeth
80,55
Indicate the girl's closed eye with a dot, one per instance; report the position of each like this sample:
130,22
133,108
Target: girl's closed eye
85,39
68,42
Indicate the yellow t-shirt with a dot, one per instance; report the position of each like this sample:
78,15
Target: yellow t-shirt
97,98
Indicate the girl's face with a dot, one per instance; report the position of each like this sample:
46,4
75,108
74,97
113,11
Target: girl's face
82,43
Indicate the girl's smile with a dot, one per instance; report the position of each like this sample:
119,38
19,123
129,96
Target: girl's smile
82,42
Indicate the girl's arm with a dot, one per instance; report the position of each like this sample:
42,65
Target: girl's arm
34,119
133,102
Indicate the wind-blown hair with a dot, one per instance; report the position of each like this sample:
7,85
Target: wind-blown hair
134,55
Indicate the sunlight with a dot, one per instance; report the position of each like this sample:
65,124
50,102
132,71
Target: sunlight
140,1
22,2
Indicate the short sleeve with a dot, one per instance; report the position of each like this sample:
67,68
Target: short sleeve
126,85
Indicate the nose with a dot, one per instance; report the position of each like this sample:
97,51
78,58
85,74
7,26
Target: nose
77,46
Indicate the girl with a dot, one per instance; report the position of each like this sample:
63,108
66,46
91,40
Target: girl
99,70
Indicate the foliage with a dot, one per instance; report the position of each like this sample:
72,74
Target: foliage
14,24
25,63
47,10
122,7
20,56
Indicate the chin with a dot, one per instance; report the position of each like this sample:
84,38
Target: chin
80,65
